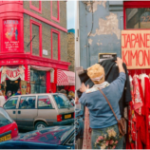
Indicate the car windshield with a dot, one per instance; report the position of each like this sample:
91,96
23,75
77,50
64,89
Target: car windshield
67,134
4,118
62,101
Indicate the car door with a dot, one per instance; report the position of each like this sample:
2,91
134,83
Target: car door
27,111
10,107
46,109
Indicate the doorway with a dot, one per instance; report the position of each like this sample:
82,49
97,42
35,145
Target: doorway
12,86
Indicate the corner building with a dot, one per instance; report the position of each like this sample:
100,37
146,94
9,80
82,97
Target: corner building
33,47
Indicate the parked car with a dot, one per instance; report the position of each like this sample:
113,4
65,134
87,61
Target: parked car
8,127
58,137
36,111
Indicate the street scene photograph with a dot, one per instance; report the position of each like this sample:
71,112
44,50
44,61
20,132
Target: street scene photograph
37,77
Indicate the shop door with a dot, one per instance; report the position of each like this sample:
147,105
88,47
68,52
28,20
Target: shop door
26,112
12,86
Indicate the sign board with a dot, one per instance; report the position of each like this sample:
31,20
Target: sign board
45,52
23,87
11,35
135,45
105,56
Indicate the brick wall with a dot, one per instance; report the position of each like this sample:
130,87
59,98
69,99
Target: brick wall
46,10
71,50
46,38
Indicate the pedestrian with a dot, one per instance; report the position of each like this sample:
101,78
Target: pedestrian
50,91
2,99
18,92
105,132
8,95
13,93
63,91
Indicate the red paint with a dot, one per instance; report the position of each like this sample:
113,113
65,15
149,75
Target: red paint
44,20
35,8
58,33
48,84
58,12
40,36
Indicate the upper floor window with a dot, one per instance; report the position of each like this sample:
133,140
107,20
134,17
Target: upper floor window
35,38
55,11
36,5
55,44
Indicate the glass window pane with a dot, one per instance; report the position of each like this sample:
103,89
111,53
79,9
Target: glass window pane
44,102
138,18
27,102
62,101
11,103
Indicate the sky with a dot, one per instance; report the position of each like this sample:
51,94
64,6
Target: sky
71,14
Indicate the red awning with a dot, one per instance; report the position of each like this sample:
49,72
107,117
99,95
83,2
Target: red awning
65,78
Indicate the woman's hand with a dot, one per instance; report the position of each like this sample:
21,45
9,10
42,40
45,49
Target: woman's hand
119,63
83,88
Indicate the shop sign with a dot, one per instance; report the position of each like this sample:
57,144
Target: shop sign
135,45
12,73
11,35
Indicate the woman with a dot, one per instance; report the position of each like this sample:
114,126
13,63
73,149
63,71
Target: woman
8,95
105,133
2,99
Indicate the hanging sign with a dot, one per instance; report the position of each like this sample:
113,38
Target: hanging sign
11,36
135,45
12,73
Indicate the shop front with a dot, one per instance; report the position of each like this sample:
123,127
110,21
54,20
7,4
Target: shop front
136,54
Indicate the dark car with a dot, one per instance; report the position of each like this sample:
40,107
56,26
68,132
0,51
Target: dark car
58,137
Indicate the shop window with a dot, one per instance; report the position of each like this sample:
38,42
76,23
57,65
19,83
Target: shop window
11,104
27,102
36,5
38,81
35,38
136,15
138,18
44,102
55,44
55,11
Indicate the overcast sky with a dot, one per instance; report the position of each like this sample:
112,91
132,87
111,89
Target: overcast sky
71,14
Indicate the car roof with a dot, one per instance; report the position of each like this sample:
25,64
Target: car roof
38,94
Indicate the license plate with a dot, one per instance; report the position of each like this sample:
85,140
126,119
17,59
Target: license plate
67,116
5,138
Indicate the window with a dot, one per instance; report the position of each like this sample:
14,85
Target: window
55,44
138,18
38,81
4,118
11,103
36,5
27,102
62,101
55,11
35,38
44,102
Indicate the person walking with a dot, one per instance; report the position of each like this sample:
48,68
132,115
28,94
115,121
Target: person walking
18,92
2,99
105,132
9,94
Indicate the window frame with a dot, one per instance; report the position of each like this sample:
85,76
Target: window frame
58,12
27,108
9,100
39,10
40,36
133,4
59,50
44,108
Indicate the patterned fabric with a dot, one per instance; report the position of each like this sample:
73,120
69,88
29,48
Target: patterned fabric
87,133
107,138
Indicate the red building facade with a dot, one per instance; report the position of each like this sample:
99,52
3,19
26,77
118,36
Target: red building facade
33,45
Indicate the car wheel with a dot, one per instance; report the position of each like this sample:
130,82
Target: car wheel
40,125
